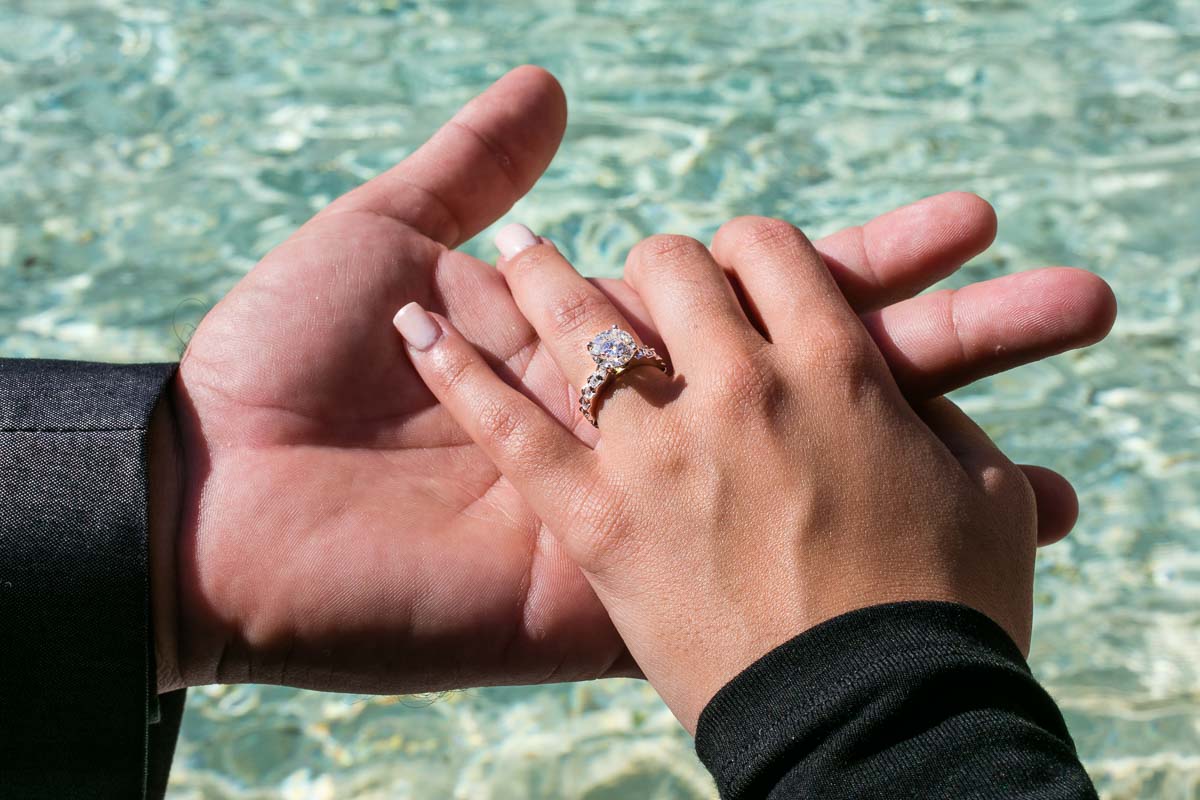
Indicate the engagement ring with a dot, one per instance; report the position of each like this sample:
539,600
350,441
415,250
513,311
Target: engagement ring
614,351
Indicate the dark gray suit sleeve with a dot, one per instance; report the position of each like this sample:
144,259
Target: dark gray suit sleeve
79,712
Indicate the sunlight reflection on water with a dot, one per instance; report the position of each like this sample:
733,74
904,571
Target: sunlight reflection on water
151,153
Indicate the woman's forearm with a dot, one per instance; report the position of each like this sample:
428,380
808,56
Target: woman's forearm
900,700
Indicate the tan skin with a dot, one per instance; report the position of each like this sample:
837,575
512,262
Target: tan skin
337,529
778,479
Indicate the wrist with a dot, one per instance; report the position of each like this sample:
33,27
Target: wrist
165,479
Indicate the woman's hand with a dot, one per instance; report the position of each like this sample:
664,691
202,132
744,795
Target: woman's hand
776,480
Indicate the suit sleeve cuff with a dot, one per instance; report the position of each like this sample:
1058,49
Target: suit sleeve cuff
80,688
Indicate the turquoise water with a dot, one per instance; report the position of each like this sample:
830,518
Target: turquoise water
151,152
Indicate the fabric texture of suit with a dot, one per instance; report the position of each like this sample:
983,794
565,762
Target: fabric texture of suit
80,716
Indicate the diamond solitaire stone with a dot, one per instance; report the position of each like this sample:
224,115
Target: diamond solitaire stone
612,348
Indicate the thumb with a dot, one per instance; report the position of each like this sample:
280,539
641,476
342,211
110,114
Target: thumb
477,166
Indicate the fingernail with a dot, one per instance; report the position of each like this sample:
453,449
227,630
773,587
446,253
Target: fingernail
512,239
416,326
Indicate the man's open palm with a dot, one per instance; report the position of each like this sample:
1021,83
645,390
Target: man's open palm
339,530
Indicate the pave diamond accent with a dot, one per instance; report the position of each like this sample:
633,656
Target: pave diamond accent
590,389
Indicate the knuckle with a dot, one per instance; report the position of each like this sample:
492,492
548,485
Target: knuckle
665,251
1006,480
674,453
835,348
575,310
1009,490
762,233
602,513
502,423
455,371
529,263
748,387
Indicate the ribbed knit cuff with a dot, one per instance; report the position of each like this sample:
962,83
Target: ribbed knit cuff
842,690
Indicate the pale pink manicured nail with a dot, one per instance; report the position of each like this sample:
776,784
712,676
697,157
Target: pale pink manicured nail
416,326
512,239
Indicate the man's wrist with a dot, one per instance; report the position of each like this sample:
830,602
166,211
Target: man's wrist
165,479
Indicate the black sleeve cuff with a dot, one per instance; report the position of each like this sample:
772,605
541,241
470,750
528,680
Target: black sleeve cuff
918,699
79,687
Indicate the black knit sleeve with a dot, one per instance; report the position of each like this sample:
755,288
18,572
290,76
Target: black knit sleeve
907,700
80,716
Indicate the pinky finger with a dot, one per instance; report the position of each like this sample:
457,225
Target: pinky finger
1057,503
542,458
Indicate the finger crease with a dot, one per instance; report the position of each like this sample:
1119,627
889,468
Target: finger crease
448,219
499,155
952,317
870,272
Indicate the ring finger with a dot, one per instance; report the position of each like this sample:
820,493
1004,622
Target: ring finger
565,308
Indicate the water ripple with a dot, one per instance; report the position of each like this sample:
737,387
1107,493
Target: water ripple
150,152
